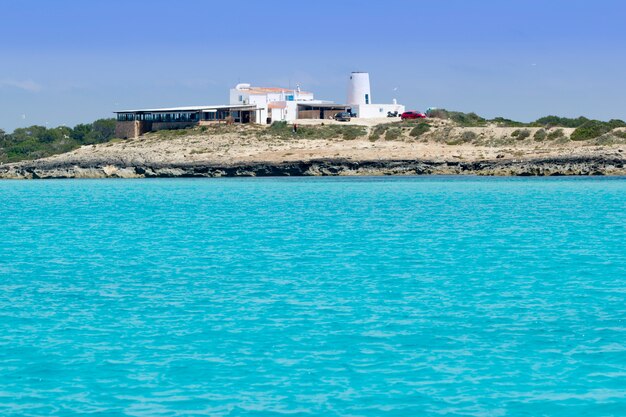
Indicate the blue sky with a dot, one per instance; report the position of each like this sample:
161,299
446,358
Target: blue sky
70,61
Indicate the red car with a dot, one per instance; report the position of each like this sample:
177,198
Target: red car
412,115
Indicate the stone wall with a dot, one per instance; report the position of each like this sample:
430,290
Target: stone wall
126,130
131,130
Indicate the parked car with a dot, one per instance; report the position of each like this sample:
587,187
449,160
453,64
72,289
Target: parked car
412,115
344,116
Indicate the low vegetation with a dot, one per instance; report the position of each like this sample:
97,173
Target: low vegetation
592,129
39,142
556,134
555,121
393,133
419,130
620,134
521,134
586,129
377,132
540,135
284,131
469,136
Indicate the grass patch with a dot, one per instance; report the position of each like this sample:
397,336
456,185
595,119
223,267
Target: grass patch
393,133
466,137
377,132
284,131
610,139
620,134
419,130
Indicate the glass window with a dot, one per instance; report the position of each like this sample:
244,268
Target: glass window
367,99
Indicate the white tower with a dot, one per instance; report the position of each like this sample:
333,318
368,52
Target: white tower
359,91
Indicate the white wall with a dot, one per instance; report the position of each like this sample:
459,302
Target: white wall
277,115
289,114
260,101
235,94
359,88
370,111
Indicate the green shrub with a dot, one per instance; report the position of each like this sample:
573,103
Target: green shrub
521,134
593,129
419,130
283,130
467,119
280,128
462,119
502,122
353,132
561,121
540,135
377,132
393,133
438,113
556,134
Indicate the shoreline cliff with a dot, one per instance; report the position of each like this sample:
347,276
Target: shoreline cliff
565,166
392,149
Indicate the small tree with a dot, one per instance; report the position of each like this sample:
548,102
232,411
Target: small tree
81,132
102,130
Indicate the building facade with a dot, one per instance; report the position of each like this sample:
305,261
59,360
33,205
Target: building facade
262,105
360,99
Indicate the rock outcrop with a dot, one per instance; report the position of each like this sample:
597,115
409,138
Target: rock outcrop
47,169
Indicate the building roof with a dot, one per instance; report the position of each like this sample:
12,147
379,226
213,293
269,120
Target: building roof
192,108
322,104
268,90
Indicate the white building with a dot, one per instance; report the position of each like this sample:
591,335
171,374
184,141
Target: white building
274,103
282,104
262,105
360,99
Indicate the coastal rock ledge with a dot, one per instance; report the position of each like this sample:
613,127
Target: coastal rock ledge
44,169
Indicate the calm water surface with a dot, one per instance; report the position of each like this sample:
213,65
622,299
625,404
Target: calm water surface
313,297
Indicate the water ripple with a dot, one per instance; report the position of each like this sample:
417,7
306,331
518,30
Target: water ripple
313,297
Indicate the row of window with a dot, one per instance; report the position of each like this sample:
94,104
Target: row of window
221,115
176,117
158,117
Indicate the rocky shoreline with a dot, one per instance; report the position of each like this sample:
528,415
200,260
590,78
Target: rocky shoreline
560,166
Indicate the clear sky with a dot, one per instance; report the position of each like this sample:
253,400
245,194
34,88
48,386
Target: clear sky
70,61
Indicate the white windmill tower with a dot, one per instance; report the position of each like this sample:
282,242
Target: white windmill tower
359,91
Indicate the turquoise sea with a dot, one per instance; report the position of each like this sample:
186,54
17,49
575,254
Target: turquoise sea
313,297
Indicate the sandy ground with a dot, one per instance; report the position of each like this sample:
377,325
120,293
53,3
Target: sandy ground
239,144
